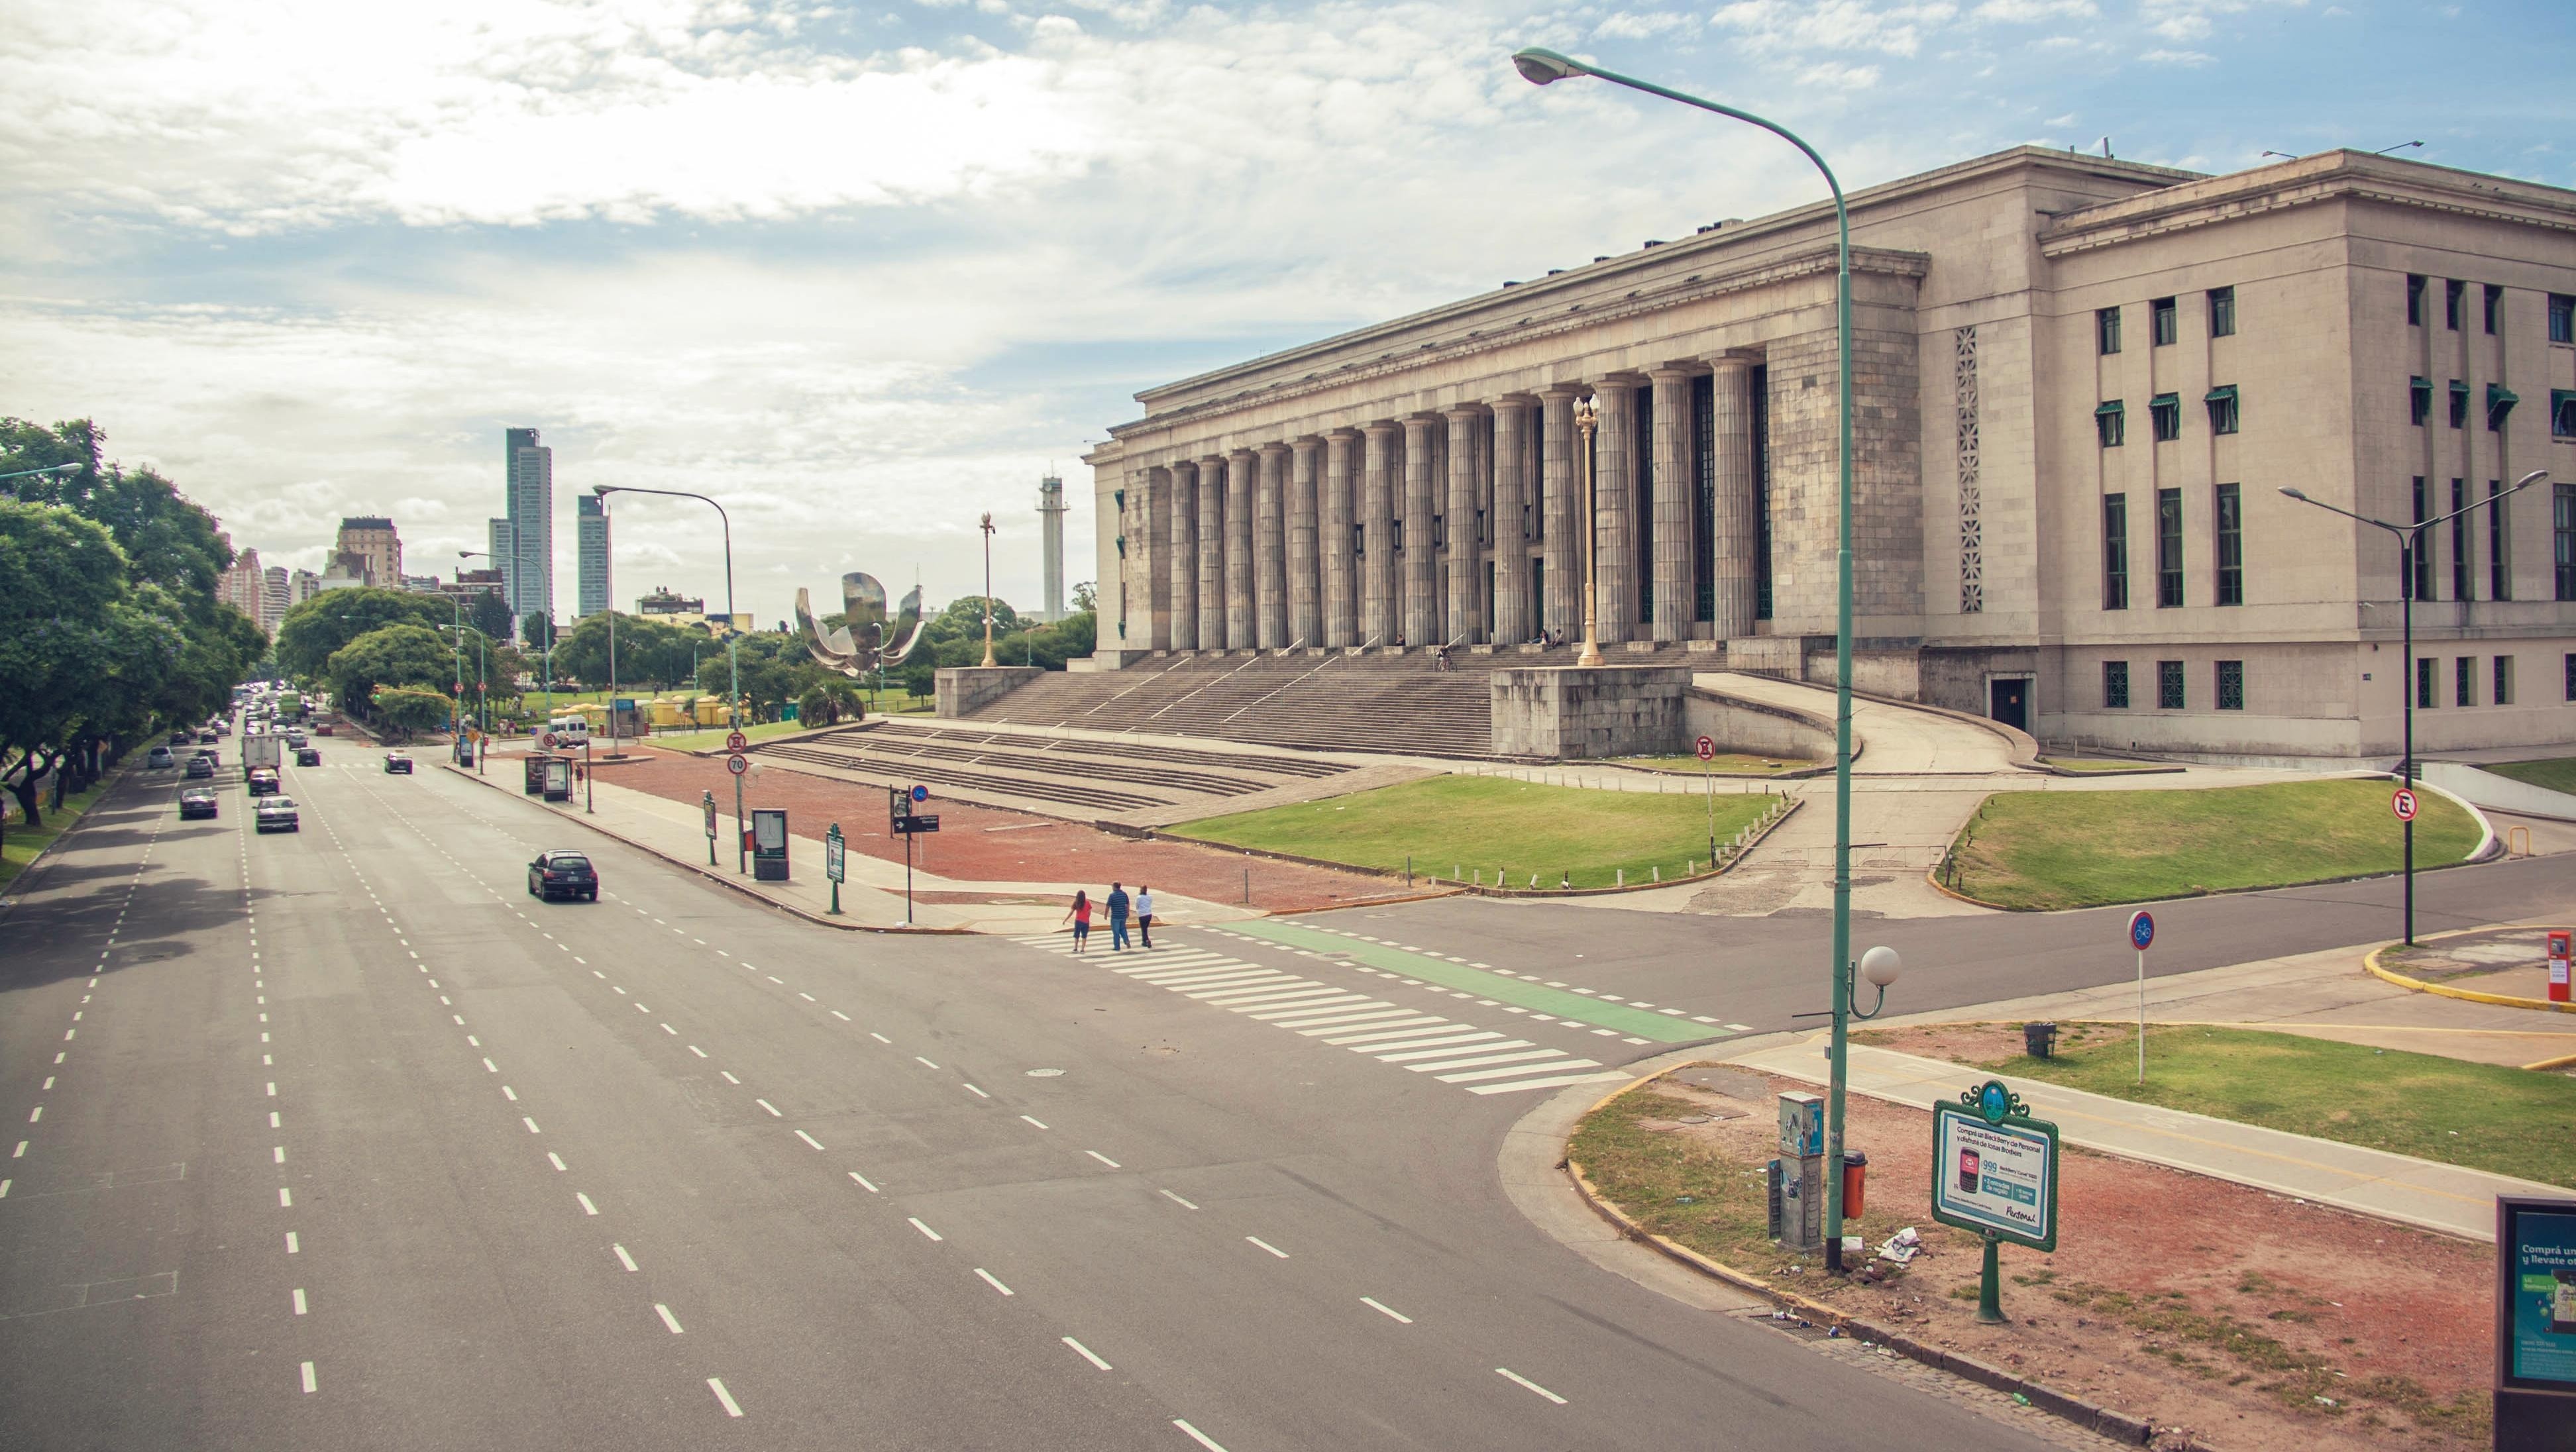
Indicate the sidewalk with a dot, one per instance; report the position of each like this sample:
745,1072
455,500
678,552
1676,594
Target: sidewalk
2445,1198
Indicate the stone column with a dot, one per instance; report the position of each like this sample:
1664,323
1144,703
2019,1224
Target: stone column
1305,588
1512,624
1564,532
1614,510
1734,531
1241,467
1181,559
1421,616
1341,563
1676,572
1270,548
1466,556
1212,552
1378,624
1147,542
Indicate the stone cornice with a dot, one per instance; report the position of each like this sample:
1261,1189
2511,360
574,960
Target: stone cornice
2329,176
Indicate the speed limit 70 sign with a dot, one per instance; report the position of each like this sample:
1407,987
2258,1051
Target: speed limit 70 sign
2403,804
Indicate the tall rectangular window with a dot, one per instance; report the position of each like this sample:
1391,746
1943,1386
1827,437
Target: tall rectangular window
2459,541
2464,680
2115,685
2459,404
2451,292
2231,545
2495,307
2414,300
2504,680
2169,691
2570,668
2222,408
2562,525
2110,423
2168,548
2115,553
2424,682
2419,399
2423,581
2499,544
2160,320
2165,411
2562,318
2222,312
2106,331
2231,685
2562,413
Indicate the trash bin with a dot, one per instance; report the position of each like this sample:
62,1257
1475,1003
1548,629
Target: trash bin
1855,1180
2039,1040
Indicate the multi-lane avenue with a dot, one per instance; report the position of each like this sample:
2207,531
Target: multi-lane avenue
340,1139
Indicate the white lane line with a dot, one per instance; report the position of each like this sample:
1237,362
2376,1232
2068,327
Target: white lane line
488,1067
1266,1245
701,1053
1202,1438
728,1076
978,1093
557,1161
990,1281
1516,1378
623,1258
280,1153
293,1247
36,1114
666,1028
809,998
863,1182
772,1108
723,1397
1177,1200
880,1038
809,1139
587,1208
531,1124
310,1385
1086,1353
272,1087
285,1198
1375,1304
843,1017
918,1059
1039,1123
667,1318
509,1093
1104,1159
299,1300
924,1229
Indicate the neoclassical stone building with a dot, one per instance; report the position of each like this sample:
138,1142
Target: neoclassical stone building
2080,385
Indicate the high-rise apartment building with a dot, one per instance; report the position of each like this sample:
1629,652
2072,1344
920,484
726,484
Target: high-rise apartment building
379,550
302,585
1051,547
241,584
273,598
523,544
591,521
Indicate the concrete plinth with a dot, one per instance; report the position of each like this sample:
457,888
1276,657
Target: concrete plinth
964,688
1584,712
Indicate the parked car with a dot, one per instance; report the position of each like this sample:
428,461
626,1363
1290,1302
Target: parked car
308,756
201,766
160,759
277,814
323,730
263,781
196,802
562,874
207,737
397,761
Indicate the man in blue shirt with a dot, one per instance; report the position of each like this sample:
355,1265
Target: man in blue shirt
1118,904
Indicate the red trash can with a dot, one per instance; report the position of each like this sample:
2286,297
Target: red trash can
1855,1180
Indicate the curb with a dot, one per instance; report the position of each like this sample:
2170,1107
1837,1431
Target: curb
2370,963
43,860
2119,1426
720,879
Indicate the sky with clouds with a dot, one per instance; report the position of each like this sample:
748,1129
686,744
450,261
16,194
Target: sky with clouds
867,271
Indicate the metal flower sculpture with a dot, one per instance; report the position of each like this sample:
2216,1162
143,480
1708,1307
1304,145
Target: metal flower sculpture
859,645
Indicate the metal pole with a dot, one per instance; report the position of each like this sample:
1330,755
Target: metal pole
1586,419
2142,1015
907,879
989,662
2408,547
589,780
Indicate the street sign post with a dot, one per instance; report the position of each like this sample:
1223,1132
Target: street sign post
1708,779
1994,1171
2142,931
833,864
735,741
2403,804
901,821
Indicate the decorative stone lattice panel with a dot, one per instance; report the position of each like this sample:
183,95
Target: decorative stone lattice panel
1972,565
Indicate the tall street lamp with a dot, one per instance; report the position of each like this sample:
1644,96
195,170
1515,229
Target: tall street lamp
2410,549
987,528
48,469
1587,420
1541,67
733,655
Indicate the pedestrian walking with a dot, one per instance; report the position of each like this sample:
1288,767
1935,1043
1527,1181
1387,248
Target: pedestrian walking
1144,916
1118,905
1080,916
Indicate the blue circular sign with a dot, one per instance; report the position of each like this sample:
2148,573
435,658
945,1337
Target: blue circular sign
1994,1102
2142,930
921,794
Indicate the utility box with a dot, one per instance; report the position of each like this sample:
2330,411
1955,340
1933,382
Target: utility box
2559,943
1799,1223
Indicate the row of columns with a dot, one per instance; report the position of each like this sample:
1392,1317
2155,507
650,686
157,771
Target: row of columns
1295,543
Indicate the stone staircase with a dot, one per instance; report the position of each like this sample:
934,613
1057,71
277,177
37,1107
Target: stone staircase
1058,775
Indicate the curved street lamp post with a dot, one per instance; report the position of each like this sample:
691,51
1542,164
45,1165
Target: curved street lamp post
733,654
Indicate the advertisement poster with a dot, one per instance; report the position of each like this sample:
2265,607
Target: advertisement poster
2541,1329
1995,1177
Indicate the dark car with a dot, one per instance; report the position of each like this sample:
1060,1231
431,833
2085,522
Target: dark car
181,738
196,802
201,766
263,781
562,874
277,814
396,761
308,756
206,737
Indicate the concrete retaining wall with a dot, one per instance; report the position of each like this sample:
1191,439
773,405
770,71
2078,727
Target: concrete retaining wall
962,689
2502,793
1756,728
1574,712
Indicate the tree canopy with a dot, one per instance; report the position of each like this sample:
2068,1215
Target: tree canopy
315,630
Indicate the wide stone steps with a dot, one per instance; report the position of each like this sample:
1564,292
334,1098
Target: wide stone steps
895,771
1158,752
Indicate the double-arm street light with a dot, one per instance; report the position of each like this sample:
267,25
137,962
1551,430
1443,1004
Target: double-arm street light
1542,67
733,655
2410,550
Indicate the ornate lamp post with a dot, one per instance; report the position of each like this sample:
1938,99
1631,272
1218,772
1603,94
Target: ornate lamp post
1587,420
987,528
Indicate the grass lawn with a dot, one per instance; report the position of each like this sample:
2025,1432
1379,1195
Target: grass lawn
2558,774
24,842
2047,850
1734,763
2484,1116
714,736
1484,823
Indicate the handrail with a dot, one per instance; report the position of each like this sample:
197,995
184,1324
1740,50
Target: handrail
1249,662
1283,685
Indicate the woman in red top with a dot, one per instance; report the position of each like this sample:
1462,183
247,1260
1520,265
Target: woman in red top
1080,915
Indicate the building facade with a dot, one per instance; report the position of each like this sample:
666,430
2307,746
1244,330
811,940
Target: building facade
274,596
2080,387
523,543
369,549
302,585
243,585
590,521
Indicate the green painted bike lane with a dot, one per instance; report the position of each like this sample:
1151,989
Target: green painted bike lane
1638,1022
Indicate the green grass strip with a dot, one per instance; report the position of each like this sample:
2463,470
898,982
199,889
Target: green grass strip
1642,1023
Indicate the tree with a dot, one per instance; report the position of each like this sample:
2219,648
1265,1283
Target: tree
1086,598
648,650
535,629
408,709
488,613
826,702
317,629
398,655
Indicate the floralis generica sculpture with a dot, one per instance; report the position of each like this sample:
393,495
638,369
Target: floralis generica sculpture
859,645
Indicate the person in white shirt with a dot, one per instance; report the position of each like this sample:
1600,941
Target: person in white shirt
1144,916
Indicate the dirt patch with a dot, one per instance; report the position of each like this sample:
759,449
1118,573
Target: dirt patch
2511,961
2226,1316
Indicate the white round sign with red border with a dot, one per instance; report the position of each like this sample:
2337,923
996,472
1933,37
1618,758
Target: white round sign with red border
547,741
1707,749
737,765
736,741
2403,804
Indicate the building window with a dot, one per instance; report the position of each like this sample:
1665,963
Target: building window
1395,536
1359,541
2570,692
2459,404
2424,683
2414,300
2500,402
2222,312
2160,321
2106,331
2504,680
2451,292
2115,685
2419,399
2495,305
2110,423
2562,318
2562,518
2231,545
2562,413
2459,541
2222,408
2423,582
2231,685
2168,548
2165,412
2464,680
2115,554
2169,694
2499,544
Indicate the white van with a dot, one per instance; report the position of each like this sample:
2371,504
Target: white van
570,730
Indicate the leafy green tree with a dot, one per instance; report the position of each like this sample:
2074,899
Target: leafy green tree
535,630
399,655
489,614
649,652
317,629
409,708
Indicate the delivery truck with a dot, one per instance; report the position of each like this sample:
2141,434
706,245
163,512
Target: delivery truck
262,748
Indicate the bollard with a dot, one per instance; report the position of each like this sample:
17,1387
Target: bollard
1659,873
1623,877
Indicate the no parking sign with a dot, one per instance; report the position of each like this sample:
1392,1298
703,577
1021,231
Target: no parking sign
2403,804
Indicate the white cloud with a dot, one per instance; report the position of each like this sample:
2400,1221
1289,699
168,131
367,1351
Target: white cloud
2178,57
1833,75
1632,25
2027,12
1834,24
2060,121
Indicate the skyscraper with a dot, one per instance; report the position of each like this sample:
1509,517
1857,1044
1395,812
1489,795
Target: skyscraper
1051,546
591,520
504,550
241,585
373,540
274,597
529,565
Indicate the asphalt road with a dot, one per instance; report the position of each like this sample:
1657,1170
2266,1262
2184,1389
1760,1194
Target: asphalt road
338,1139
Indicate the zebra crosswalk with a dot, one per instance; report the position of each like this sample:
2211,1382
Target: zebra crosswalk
1478,1060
